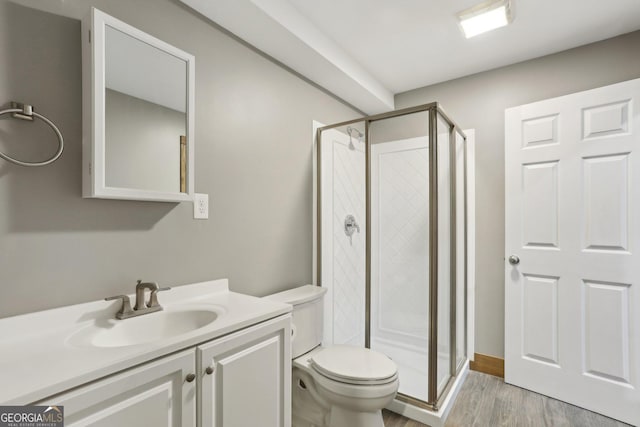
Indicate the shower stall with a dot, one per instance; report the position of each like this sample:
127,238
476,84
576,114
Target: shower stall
391,235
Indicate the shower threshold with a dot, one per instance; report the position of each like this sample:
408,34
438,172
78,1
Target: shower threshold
427,416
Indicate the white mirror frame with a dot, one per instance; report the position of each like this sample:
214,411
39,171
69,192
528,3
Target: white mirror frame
93,112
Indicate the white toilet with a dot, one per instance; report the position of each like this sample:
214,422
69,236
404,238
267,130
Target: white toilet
336,386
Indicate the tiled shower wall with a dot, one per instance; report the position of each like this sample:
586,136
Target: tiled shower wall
400,270
400,306
348,254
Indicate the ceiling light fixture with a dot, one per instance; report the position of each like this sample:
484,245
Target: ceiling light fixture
485,17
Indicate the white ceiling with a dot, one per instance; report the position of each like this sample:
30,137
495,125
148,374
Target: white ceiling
408,44
365,51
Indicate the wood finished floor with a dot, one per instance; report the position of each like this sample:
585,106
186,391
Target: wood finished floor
486,401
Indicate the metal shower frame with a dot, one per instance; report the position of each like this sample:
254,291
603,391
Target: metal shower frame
434,402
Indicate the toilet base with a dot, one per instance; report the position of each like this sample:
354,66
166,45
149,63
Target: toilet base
341,417
318,401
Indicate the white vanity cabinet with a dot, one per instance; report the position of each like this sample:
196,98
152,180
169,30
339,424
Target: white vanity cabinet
152,370
157,394
241,379
244,379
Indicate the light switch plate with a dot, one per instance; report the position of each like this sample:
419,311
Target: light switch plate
200,206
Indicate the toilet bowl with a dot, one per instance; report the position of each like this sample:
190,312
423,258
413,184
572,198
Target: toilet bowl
333,386
353,384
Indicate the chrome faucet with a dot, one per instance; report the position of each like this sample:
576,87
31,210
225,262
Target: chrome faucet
140,287
141,307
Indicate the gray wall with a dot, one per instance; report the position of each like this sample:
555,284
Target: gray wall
478,102
142,143
253,157
400,127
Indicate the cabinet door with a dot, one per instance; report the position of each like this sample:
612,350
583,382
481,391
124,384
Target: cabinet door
155,394
249,380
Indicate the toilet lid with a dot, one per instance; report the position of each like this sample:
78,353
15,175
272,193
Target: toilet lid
353,364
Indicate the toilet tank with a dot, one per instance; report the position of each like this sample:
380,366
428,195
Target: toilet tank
306,316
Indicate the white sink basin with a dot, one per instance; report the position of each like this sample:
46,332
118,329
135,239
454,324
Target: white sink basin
145,328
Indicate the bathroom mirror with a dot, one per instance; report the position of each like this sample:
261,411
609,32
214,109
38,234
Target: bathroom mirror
138,114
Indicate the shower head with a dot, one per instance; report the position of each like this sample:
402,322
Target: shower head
351,131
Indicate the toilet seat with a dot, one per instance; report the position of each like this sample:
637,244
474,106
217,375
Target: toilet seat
354,365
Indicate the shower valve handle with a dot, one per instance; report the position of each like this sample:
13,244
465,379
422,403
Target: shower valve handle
350,226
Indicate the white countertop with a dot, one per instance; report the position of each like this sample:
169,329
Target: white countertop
37,360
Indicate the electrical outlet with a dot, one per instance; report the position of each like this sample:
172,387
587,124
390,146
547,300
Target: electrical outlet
200,206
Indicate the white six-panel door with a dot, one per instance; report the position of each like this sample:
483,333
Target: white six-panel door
572,302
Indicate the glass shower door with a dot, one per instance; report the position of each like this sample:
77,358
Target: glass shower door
444,276
400,246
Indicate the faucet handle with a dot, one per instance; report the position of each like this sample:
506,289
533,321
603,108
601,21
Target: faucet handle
126,305
153,299
149,285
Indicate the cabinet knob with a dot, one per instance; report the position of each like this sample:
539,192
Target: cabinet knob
190,378
209,370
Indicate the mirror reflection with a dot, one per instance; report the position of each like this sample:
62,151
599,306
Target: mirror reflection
145,116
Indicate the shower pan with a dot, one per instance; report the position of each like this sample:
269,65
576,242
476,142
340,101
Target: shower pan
399,286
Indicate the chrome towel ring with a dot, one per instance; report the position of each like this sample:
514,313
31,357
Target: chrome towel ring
25,112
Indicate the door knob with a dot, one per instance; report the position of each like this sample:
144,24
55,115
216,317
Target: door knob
209,370
190,378
514,260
